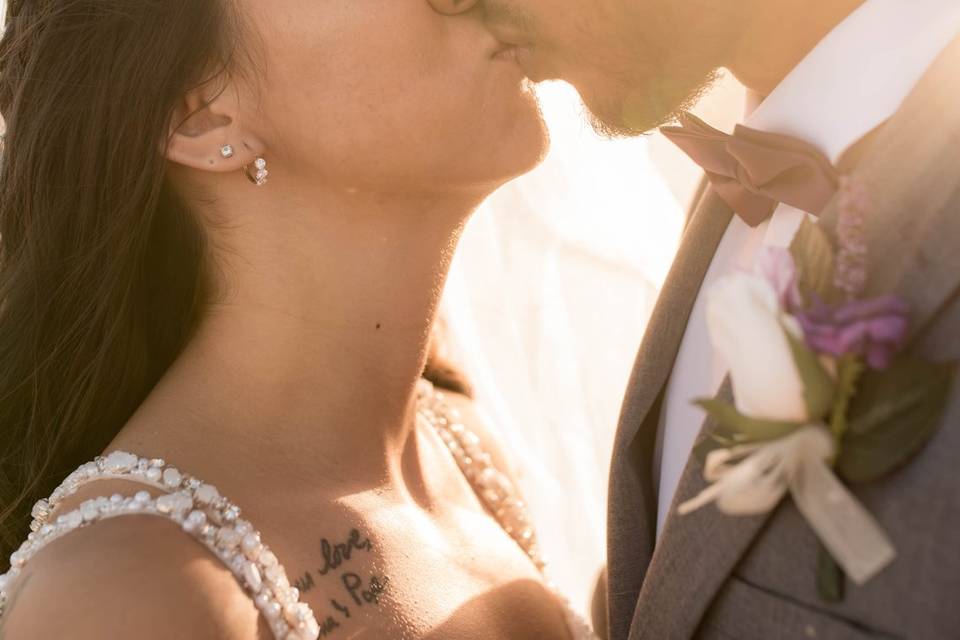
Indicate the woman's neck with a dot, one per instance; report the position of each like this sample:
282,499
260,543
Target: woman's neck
309,360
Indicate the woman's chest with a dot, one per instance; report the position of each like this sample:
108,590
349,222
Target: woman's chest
406,577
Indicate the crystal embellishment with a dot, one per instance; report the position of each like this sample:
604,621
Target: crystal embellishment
257,172
215,522
197,507
494,488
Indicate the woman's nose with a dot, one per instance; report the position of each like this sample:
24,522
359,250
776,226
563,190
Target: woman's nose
450,7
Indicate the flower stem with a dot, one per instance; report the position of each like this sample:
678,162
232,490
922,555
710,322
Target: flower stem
849,370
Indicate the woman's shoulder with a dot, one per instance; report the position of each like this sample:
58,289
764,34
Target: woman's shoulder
135,576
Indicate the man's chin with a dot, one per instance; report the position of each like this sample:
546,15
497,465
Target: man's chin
634,111
610,126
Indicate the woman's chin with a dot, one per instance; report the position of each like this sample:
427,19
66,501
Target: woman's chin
524,143
510,162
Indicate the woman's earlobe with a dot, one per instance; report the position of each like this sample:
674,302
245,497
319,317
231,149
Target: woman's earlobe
205,154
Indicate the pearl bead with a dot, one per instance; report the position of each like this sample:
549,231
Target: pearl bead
251,545
119,462
194,521
206,494
272,610
268,559
228,538
73,519
273,572
291,614
41,510
252,575
171,477
243,527
165,504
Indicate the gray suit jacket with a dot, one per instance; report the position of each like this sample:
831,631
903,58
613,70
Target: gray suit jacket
715,576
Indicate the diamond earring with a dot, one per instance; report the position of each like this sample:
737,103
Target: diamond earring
226,151
257,172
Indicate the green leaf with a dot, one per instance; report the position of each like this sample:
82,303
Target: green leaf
831,581
893,415
819,388
742,429
813,253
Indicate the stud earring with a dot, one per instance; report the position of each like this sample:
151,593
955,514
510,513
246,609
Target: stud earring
226,151
257,172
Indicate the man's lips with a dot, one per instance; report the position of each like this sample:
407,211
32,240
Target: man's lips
519,54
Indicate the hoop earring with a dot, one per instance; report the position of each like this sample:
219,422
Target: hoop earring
257,172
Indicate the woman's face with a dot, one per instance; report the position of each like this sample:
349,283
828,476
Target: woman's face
388,94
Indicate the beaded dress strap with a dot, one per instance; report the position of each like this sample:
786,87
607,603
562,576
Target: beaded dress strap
497,492
200,511
495,489
215,522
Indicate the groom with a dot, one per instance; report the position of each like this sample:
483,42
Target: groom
865,89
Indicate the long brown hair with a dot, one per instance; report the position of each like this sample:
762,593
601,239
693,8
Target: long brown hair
102,274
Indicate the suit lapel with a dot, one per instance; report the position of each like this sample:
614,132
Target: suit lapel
632,503
911,171
695,555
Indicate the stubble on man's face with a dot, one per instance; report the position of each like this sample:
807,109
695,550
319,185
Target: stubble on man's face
636,63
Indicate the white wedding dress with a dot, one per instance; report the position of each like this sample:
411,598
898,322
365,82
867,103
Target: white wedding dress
215,522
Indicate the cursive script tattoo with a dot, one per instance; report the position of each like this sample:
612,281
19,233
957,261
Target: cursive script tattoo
328,626
335,555
305,582
360,595
339,607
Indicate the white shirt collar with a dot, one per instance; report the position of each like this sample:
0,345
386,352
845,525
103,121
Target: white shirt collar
860,74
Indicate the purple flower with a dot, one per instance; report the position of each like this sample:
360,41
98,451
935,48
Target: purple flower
874,329
850,275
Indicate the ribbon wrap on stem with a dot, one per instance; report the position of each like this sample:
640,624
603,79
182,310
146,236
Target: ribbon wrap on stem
751,479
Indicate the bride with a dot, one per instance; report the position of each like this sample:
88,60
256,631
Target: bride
225,228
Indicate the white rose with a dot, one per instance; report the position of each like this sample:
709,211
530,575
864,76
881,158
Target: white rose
746,326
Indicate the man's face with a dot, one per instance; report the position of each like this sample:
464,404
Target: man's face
635,62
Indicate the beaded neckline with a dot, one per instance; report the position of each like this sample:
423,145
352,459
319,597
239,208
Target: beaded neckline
495,489
200,511
216,522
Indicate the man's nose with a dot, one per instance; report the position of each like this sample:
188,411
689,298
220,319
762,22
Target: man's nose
451,7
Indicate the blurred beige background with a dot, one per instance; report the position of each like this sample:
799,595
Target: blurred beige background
548,300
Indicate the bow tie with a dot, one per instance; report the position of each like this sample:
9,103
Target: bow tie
753,171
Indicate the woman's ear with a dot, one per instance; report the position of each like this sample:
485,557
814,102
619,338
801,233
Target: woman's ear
205,133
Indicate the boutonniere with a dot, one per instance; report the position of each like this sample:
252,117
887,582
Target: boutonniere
824,397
